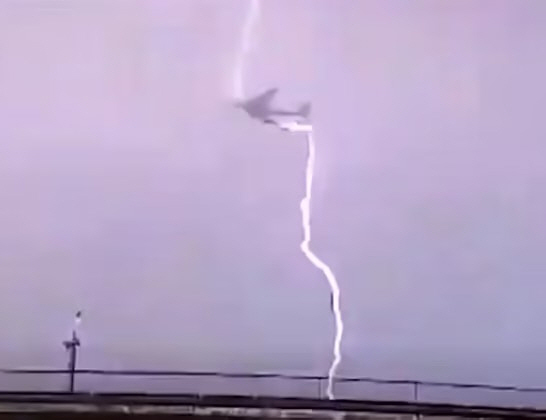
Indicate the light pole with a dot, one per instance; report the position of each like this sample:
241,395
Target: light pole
72,347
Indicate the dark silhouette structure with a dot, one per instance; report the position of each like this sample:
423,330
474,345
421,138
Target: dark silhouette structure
72,347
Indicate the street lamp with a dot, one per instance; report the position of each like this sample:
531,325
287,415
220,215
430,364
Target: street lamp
72,347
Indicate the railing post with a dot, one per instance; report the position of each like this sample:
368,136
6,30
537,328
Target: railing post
416,392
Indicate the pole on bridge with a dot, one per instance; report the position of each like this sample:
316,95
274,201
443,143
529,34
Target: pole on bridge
416,398
72,347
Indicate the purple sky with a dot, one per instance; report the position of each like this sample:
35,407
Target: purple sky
132,190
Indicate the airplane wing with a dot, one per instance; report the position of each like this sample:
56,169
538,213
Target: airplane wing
264,99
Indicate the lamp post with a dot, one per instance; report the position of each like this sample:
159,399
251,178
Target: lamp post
72,347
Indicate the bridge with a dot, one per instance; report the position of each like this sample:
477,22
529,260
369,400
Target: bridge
102,393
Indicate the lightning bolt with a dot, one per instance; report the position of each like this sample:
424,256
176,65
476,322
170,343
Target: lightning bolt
246,37
252,14
305,207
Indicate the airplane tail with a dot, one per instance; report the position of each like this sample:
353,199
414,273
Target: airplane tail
305,110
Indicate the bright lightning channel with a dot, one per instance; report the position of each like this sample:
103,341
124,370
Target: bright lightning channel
253,12
305,207
246,45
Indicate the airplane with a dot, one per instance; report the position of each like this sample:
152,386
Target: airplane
260,108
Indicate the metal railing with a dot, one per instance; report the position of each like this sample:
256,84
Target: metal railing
413,388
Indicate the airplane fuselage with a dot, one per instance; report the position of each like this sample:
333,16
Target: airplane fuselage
260,108
264,114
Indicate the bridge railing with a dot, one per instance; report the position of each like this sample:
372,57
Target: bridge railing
267,384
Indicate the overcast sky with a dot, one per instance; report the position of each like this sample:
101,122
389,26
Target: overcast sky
130,187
